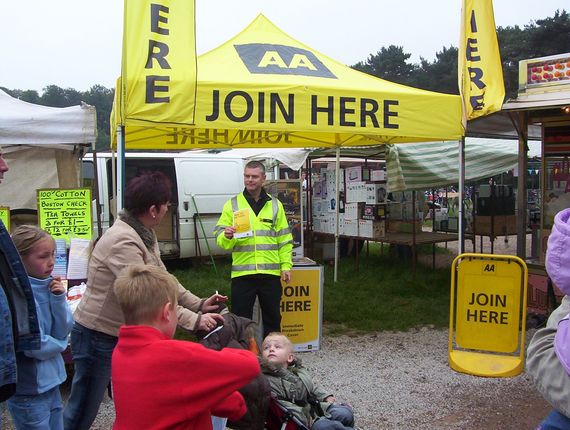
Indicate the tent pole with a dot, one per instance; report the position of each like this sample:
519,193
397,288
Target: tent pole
305,204
97,197
120,167
522,196
337,179
460,229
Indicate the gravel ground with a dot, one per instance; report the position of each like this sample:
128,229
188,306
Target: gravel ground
401,380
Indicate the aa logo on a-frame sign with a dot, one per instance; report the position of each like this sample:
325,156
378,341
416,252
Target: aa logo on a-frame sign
268,58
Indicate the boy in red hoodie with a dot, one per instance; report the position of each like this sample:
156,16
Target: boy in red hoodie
161,383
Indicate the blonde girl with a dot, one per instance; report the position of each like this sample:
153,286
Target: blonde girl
37,404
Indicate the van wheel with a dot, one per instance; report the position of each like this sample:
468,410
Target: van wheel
23,217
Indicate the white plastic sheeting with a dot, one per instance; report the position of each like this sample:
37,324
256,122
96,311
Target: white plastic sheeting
33,168
43,147
292,158
23,123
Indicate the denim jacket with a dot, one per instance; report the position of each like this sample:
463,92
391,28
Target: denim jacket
19,320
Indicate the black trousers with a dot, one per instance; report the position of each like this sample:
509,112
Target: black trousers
268,289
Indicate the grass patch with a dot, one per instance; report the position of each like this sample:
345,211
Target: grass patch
201,279
384,294
427,249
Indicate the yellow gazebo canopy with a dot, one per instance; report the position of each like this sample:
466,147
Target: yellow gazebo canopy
265,89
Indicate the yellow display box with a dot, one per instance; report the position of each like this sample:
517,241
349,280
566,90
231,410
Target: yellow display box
302,308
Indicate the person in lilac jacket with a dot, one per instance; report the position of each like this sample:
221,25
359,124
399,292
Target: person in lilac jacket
548,354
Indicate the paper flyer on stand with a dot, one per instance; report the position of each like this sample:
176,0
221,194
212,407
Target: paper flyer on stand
79,251
242,224
60,265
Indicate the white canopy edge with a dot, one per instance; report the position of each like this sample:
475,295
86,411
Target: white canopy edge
23,123
9,149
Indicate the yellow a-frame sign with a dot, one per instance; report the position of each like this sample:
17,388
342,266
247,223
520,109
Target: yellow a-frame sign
487,314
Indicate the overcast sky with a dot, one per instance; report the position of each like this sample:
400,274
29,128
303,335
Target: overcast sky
77,43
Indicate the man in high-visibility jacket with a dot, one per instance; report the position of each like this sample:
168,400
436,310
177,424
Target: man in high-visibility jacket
261,248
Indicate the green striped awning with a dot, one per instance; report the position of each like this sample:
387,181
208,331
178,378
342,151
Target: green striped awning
436,164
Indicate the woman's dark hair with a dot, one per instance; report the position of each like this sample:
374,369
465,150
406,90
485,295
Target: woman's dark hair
146,190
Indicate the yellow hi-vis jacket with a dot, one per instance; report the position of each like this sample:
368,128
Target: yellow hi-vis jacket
268,250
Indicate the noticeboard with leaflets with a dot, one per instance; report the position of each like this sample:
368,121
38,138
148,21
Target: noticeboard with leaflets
288,191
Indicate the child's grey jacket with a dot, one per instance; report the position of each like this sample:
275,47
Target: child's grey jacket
293,387
542,363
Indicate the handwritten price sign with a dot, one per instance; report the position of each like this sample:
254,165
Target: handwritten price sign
65,213
5,216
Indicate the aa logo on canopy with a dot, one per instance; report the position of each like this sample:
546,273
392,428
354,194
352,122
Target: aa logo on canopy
268,58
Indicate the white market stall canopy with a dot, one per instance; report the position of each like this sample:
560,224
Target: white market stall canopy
23,123
40,146
425,166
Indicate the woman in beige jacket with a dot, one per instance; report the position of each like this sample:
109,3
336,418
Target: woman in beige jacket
131,240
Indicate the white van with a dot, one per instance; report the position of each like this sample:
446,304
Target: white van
201,182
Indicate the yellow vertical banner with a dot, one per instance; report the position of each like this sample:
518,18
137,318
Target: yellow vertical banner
302,308
480,70
158,76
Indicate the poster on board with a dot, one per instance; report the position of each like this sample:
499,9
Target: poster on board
302,308
65,213
288,191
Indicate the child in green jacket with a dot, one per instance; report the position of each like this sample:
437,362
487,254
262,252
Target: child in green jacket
295,389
